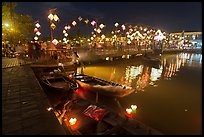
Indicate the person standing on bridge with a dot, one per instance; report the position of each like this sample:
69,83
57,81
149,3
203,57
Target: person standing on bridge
75,60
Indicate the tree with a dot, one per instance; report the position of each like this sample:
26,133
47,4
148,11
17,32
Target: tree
15,27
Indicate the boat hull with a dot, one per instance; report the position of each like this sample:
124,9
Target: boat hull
103,87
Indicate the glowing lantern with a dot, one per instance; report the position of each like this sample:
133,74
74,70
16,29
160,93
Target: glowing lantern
102,26
129,111
131,30
65,34
50,17
56,18
68,27
159,36
65,28
64,31
74,23
98,31
116,24
35,38
55,42
103,36
38,33
123,27
53,26
35,30
145,29
93,23
64,39
141,28
134,107
37,25
86,21
128,41
72,121
80,18
70,76
60,64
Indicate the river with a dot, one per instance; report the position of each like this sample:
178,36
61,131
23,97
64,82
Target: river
168,97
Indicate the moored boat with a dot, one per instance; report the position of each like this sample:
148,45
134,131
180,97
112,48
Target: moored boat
102,87
152,61
85,118
56,81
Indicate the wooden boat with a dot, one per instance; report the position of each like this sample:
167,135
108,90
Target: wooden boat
85,118
56,82
151,61
102,87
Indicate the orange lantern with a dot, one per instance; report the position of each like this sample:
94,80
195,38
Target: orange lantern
53,26
72,121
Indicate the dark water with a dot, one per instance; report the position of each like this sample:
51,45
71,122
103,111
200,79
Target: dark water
169,98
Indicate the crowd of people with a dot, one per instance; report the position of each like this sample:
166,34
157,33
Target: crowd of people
39,51
32,50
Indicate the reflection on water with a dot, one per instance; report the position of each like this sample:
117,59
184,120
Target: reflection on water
140,76
168,97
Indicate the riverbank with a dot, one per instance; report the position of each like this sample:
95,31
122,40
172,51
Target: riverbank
88,57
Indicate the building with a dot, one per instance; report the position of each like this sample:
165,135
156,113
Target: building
187,39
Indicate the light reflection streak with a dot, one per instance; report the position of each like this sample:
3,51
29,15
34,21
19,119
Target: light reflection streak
200,59
143,80
155,74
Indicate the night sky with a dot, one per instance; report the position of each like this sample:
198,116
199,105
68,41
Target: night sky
168,16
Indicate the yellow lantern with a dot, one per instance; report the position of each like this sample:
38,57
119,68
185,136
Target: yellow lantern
55,17
86,21
53,26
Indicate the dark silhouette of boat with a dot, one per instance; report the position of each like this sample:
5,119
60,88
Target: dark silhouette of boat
56,82
151,61
85,118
